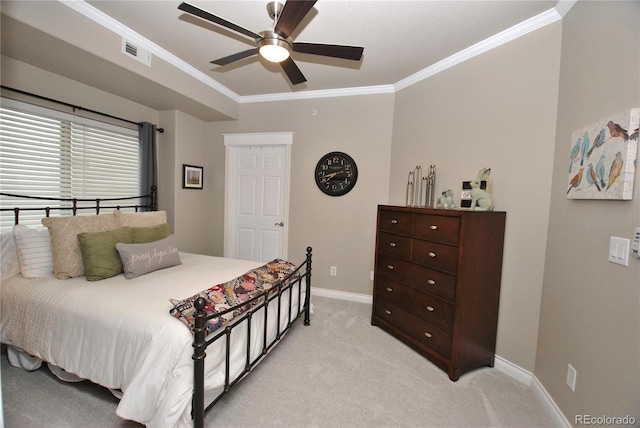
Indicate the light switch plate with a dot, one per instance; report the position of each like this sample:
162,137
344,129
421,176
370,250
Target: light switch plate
619,250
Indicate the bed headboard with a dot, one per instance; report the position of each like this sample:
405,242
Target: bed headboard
71,206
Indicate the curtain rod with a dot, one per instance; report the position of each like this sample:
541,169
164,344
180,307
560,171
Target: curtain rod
161,130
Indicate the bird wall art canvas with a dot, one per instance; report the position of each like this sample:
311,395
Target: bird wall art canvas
602,159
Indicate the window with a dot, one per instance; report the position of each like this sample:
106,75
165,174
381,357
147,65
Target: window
52,154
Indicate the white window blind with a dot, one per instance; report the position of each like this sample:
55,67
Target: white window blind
47,153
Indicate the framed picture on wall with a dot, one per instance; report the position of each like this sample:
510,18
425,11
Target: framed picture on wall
192,177
602,160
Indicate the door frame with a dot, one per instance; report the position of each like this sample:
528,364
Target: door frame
232,142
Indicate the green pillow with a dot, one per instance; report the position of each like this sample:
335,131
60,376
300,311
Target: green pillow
143,235
99,255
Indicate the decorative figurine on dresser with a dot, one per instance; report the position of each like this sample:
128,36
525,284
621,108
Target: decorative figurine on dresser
437,283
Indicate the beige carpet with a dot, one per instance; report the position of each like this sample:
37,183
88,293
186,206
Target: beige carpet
338,372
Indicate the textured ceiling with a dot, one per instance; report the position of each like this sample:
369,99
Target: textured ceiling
82,40
400,37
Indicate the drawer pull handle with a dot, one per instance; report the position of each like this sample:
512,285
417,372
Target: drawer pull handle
428,334
390,267
430,308
432,255
392,244
389,289
394,221
431,281
387,311
433,227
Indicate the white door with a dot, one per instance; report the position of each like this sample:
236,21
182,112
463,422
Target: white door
256,196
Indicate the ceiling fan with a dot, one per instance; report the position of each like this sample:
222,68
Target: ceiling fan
276,44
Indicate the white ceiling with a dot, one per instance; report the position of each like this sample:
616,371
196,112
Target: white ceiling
401,39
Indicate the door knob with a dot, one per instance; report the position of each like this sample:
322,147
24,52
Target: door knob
280,224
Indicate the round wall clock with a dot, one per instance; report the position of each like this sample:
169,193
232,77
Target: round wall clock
336,173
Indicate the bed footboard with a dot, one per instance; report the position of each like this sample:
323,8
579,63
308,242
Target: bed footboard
263,300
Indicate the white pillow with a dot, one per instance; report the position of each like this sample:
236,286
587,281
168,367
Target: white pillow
9,254
34,251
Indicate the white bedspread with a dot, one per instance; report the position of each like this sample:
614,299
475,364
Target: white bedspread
118,333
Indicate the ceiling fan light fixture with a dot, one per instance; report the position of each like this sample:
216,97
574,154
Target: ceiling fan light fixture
274,53
273,47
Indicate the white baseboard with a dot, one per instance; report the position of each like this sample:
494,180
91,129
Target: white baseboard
514,371
526,377
342,295
507,367
552,409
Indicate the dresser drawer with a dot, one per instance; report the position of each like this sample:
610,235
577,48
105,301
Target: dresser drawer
396,245
423,305
440,256
437,228
419,330
396,222
419,277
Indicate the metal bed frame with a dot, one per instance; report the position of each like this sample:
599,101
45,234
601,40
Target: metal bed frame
77,204
299,280
262,300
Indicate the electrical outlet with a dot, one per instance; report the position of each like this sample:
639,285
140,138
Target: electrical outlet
333,271
571,377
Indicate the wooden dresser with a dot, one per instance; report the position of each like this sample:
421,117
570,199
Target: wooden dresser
437,283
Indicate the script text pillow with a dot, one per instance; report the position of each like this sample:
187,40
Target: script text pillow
34,251
99,255
140,259
67,257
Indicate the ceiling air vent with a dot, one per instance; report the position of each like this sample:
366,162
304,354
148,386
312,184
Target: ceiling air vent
136,52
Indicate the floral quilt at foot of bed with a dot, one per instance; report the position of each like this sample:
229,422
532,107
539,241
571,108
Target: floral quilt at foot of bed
232,294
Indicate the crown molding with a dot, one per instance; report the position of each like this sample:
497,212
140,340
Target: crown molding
564,6
327,93
532,24
541,20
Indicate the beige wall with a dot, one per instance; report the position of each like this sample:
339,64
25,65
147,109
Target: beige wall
590,316
184,142
341,230
497,110
22,76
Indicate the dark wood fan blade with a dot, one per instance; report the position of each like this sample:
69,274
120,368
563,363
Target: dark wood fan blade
189,8
336,51
293,72
293,12
235,57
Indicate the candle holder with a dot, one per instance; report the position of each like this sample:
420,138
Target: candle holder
421,189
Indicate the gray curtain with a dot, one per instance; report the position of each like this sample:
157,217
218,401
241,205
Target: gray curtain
148,167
